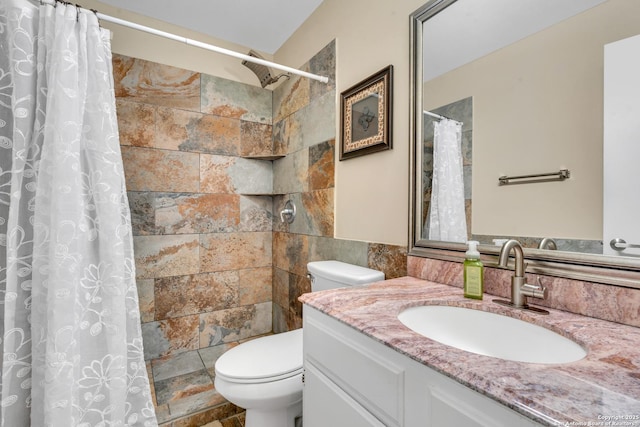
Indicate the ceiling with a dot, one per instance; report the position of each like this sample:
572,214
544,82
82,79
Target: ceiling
479,30
263,25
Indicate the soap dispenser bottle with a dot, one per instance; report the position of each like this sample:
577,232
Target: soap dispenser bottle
473,272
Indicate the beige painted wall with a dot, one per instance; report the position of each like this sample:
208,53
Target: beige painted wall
371,191
138,44
538,108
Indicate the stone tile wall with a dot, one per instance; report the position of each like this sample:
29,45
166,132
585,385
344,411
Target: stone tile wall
215,265
203,246
202,238
304,131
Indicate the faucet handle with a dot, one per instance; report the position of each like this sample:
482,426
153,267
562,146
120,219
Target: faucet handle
535,291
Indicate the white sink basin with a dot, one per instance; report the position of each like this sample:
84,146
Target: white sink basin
491,334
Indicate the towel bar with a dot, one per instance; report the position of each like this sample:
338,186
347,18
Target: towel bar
561,175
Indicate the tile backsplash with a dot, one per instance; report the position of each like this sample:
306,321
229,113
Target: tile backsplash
612,303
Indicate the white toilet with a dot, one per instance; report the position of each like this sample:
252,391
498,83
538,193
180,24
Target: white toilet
264,375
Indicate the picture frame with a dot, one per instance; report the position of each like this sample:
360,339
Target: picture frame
366,115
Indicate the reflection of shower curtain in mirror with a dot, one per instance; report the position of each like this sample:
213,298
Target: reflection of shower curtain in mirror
447,219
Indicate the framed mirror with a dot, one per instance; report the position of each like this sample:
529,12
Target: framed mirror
537,88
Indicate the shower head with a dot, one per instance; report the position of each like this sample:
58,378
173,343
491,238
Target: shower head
262,71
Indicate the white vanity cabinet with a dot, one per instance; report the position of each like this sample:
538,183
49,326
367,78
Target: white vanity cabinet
352,380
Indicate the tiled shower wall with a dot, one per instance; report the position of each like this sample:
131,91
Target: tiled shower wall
203,242
214,263
304,129
203,249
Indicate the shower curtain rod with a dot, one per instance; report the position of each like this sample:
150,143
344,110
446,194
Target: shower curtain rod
202,45
438,116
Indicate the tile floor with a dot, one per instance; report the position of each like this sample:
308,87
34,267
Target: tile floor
184,390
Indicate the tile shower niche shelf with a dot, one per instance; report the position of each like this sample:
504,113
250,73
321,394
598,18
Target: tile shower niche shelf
266,157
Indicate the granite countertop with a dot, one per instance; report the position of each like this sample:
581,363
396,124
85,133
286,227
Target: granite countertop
603,387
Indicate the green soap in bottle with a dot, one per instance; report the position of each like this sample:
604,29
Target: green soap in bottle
473,272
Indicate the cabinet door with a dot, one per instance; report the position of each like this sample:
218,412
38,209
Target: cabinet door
349,377
331,405
452,405
347,359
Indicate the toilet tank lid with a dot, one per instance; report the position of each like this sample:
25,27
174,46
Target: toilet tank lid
342,272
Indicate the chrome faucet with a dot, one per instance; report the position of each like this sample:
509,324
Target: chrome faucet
548,243
520,290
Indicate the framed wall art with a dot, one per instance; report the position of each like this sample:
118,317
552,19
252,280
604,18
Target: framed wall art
366,113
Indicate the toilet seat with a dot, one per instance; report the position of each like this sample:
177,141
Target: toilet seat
266,359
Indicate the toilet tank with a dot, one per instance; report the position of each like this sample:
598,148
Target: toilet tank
336,274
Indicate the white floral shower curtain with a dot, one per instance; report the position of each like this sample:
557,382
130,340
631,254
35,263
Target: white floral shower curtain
447,217
71,341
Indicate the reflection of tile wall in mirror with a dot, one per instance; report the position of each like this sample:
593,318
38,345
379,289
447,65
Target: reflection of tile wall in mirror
564,245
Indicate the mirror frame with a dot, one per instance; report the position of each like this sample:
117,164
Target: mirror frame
618,271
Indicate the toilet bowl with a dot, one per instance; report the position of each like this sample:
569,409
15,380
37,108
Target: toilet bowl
264,375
